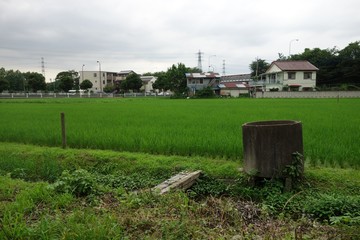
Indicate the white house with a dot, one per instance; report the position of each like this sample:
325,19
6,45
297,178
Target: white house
147,83
296,75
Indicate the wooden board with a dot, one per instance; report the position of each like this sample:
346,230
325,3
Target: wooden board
183,180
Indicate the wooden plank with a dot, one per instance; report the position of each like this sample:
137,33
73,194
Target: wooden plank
183,180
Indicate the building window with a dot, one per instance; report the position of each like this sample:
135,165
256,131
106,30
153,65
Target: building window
291,75
307,75
272,78
201,81
95,74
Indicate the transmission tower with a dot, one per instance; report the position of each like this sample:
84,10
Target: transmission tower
199,60
223,68
42,66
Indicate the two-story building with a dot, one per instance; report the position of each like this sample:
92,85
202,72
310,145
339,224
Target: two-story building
294,75
99,79
199,81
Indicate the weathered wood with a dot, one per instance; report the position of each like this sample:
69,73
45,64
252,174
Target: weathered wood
183,180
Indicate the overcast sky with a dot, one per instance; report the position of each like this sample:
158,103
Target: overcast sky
149,36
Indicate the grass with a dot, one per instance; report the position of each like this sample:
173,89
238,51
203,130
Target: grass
90,191
219,206
209,128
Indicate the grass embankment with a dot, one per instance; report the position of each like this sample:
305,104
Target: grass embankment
51,193
209,128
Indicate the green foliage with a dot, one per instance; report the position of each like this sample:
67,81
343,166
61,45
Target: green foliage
174,79
86,84
325,206
259,66
101,202
80,183
336,67
67,80
207,92
35,81
296,169
16,81
4,85
132,82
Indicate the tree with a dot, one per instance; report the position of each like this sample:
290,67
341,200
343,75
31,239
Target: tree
35,81
257,67
4,84
324,59
349,63
16,80
177,79
67,80
86,84
109,88
132,82
162,82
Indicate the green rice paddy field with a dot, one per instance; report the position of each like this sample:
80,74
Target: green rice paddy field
188,127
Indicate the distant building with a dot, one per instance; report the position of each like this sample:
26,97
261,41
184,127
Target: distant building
147,83
236,78
199,81
99,81
294,75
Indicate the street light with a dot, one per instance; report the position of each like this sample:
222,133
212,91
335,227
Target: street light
290,45
209,61
100,75
82,72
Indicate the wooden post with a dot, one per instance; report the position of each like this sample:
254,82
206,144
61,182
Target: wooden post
63,130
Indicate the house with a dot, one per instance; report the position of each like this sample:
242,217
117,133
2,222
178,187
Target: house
99,79
147,83
291,75
199,81
234,89
123,74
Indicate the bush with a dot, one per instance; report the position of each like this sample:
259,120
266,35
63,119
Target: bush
80,183
205,93
326,206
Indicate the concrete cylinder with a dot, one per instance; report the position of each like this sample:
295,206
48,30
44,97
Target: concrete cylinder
269,146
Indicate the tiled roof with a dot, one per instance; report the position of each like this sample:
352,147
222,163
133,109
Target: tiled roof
295,66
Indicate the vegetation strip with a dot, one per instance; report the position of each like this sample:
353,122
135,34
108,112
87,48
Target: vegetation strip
76,193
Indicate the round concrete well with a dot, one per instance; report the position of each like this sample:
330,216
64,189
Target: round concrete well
269,146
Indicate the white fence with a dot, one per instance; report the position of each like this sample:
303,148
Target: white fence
78,95
330,94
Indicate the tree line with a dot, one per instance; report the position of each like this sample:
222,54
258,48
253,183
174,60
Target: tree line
336,67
